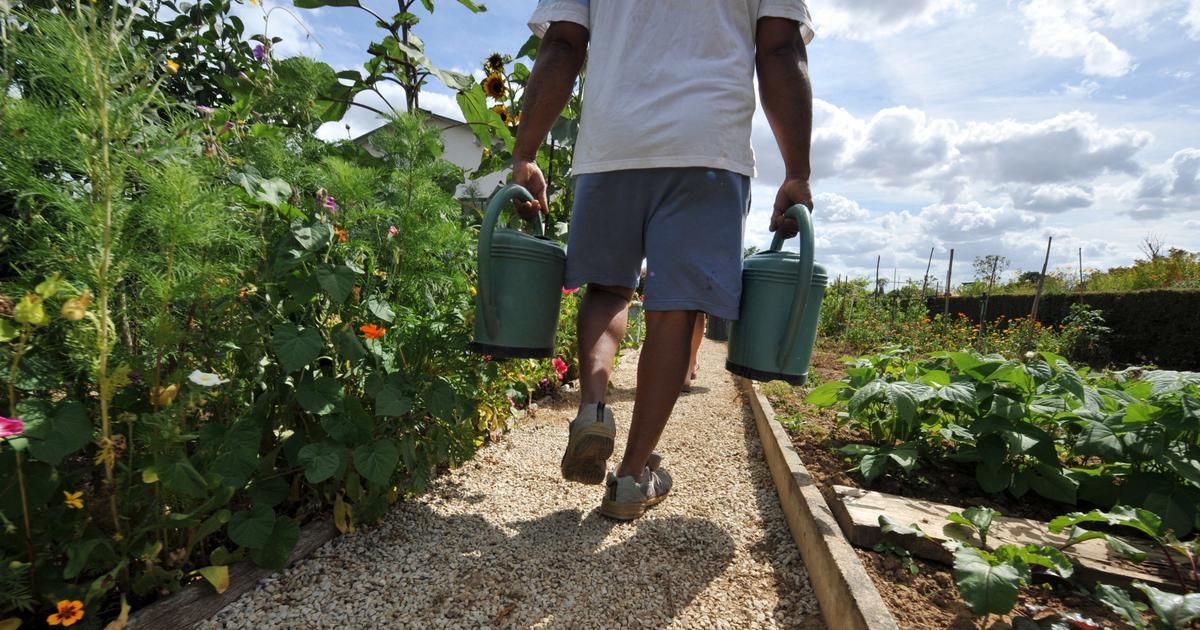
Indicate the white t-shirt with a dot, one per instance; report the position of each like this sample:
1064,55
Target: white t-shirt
670,83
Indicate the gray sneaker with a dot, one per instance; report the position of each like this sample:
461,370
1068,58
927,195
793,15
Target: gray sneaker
627,499
590,444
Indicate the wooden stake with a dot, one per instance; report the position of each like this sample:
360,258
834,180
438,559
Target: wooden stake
878,289
949,270
1037,297
1081,287
925,280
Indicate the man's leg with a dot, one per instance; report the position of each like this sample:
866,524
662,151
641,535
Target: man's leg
661,369
600,327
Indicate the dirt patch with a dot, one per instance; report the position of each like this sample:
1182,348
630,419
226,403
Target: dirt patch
927,598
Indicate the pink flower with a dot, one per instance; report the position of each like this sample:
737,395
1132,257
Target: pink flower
560,367
11,426
567,291
331,204
392,231
205,109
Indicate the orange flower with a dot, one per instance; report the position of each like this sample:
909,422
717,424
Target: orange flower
341,234
68,613
371,331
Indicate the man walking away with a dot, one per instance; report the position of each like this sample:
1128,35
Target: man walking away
662,166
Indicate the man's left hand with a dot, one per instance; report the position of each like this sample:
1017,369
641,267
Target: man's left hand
792,192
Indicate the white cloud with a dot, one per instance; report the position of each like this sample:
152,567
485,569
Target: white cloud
870,19
972,222
1192,19
361,120
1084,89
1052,198
1065,29
838,209
1173,186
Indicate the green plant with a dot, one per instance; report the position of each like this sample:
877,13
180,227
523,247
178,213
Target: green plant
1036,424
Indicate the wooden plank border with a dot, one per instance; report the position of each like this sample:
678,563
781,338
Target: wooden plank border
847,595
198,601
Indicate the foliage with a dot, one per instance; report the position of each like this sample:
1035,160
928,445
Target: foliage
1036,424
216,326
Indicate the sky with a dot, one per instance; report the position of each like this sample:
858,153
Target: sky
982,126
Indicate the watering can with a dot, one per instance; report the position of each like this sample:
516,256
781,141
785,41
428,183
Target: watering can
781,301
520,285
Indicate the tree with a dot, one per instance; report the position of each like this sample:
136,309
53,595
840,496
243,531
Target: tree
1151,246
988,268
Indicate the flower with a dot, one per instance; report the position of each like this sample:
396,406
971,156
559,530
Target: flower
172,68
76,308
206,379
11,426
226,127
494,63
560,367
260,51
502,111
341,234
474,291
74,500
567,291
205,109
392,231
494,86
330,204
371,331
68,613
164,396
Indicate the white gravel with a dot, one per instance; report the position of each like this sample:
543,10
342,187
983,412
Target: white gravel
504,541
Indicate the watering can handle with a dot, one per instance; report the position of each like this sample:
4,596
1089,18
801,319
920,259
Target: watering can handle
803,280
487,275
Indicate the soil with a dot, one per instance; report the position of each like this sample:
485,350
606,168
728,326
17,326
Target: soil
927,599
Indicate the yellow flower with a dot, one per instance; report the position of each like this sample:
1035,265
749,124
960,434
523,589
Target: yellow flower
75,309
172,66
73,500
494,86
502,111
68,613
474,292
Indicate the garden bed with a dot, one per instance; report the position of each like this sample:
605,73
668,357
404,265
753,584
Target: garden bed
927,597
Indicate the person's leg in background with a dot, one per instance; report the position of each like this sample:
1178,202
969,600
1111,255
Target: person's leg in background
694,362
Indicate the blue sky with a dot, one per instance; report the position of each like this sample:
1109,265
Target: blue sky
982,126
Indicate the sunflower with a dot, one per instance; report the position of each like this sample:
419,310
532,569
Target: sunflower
502,111
68,613
494,86
494,63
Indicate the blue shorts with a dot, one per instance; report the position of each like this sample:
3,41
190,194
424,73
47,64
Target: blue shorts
688,223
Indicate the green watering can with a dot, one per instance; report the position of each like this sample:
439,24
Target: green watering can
520,286
781,301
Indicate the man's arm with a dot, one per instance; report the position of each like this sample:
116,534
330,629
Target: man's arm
786,93
559,60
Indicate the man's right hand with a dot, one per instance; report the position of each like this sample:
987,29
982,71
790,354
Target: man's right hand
527,173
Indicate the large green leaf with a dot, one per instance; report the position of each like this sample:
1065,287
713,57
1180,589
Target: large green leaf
993,478
348,345
278,549
1040,555
252,528
390,401
321,461
1007,407
530,47
77,556
1119,602
441,400
337,281
825,395
351,426
866,394
1098,439
480,118
959,392
381,309
1052,483
986,587
376,461
1174,610
52,435
178,476
319,397
296,347
976,517
1175,503
235,467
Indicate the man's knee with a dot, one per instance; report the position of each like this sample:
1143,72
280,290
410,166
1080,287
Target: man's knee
624,293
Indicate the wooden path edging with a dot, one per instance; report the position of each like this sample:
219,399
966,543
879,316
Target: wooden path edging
198,601
847,595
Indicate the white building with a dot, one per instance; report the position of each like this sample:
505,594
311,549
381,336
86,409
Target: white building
461,149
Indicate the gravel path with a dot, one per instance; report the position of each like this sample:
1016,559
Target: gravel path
504,541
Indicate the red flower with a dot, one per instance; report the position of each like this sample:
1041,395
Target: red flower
371,331
560,367
567,291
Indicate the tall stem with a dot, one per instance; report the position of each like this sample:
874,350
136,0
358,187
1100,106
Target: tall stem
12,412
